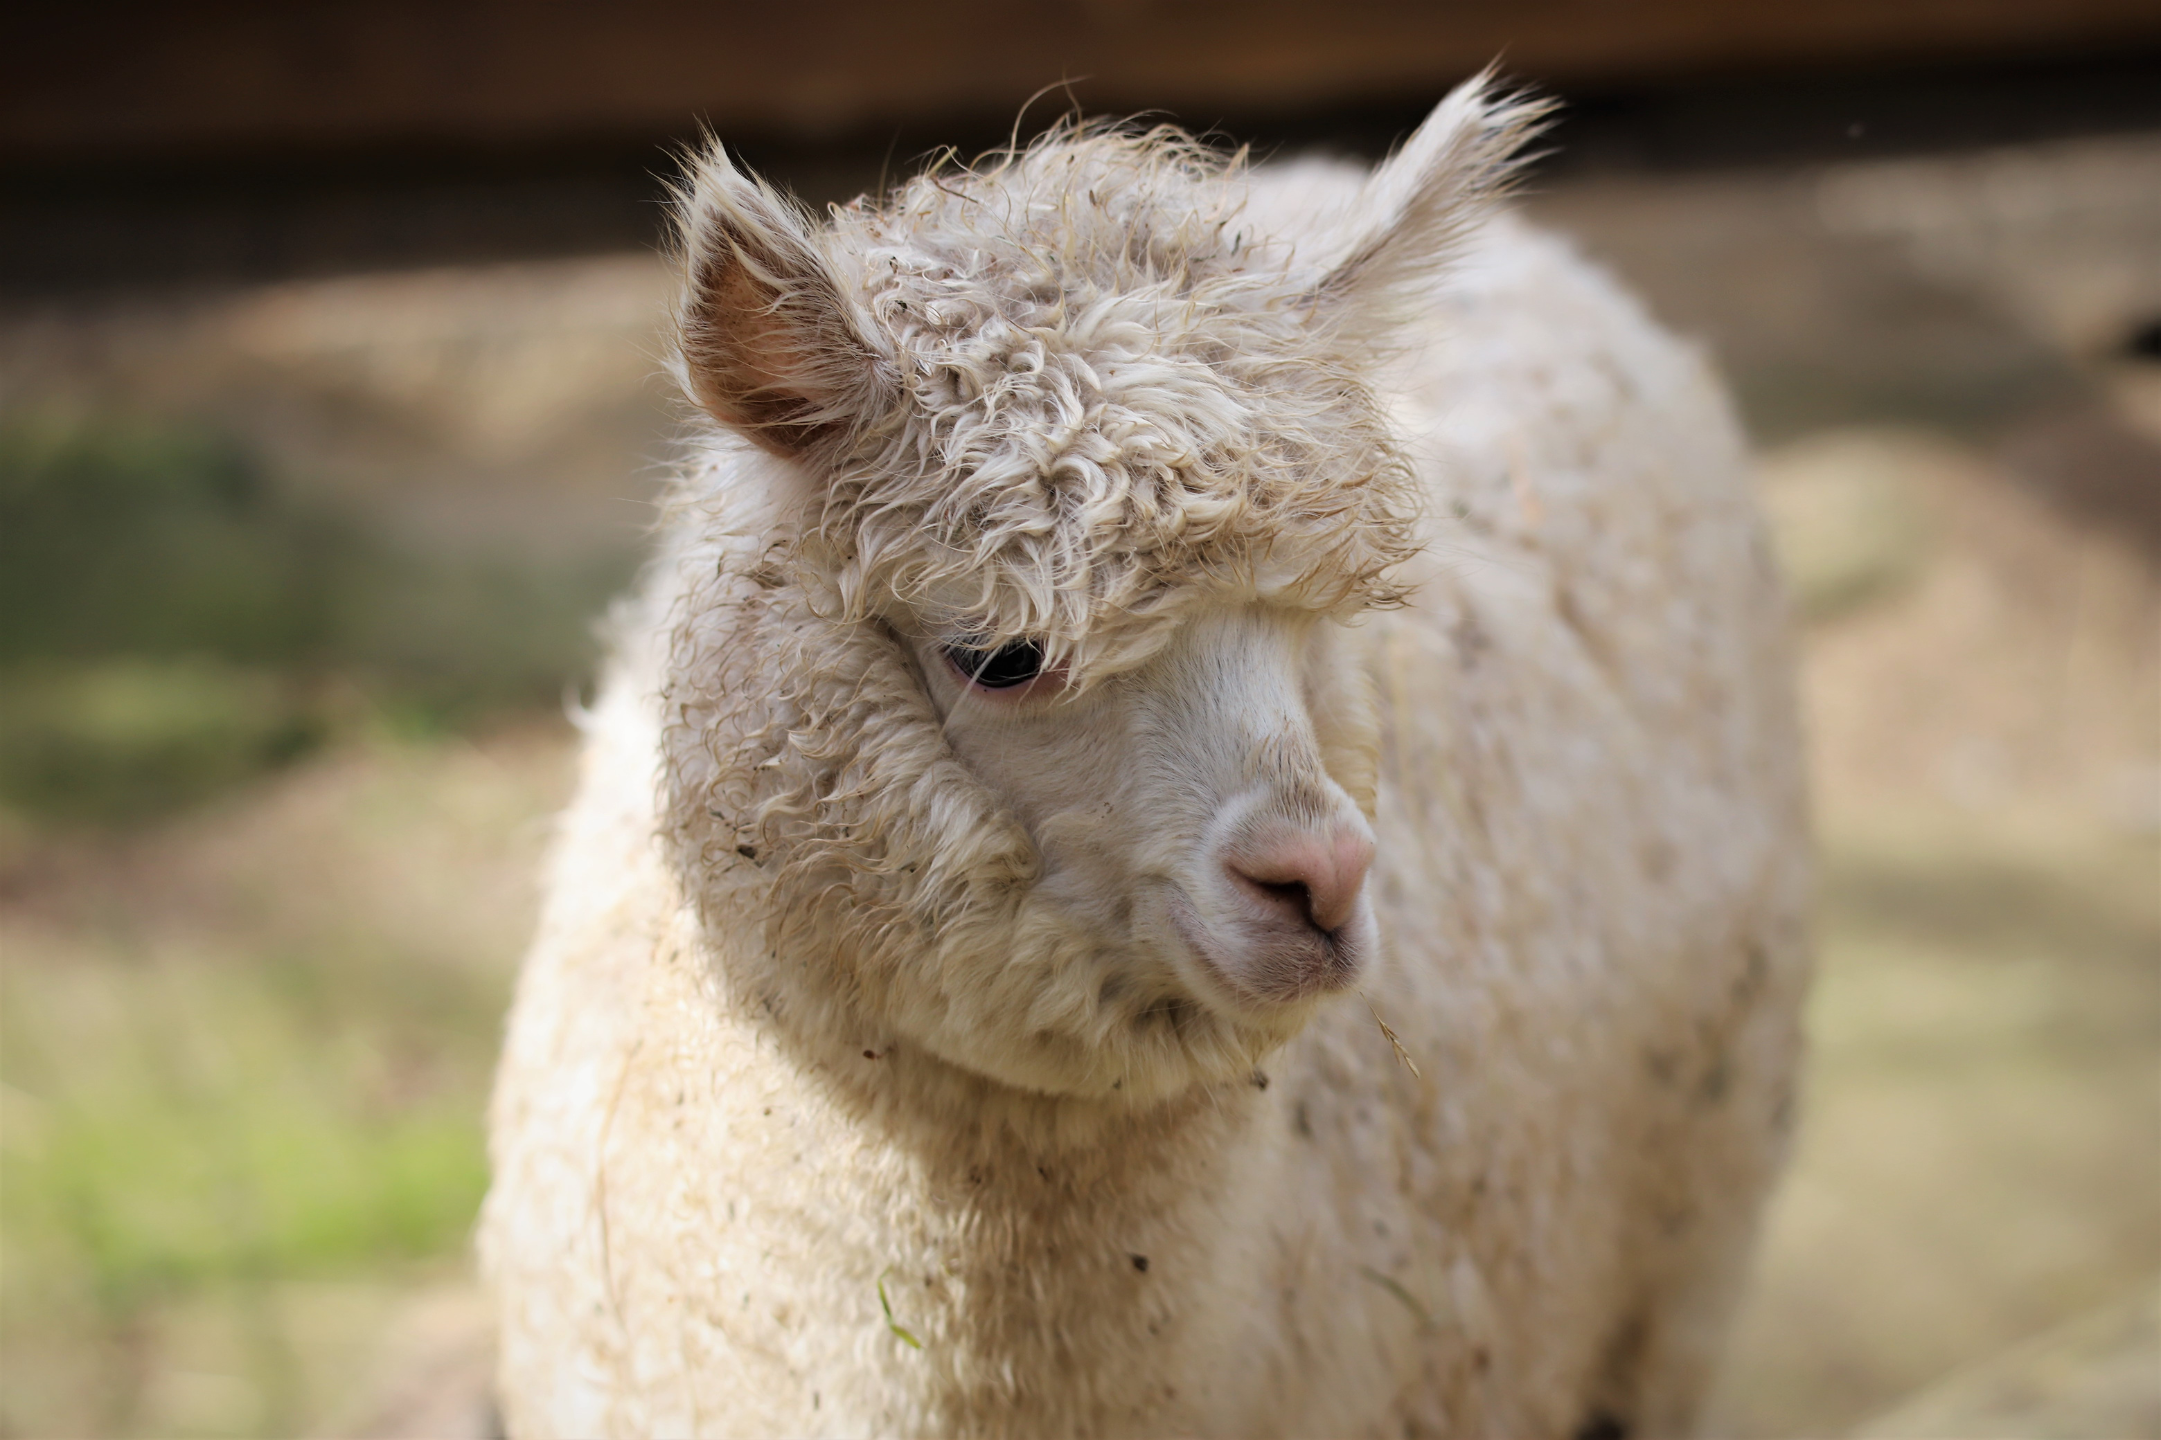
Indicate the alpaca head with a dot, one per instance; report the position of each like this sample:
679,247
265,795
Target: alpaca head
1008,693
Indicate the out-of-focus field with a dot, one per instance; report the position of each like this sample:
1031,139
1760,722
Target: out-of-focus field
281,733
245,1057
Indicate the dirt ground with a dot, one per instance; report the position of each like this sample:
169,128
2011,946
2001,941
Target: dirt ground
1980,1155
235,1040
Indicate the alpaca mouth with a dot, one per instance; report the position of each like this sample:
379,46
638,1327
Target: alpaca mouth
1272,963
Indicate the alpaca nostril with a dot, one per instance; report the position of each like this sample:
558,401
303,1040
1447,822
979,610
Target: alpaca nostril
1292,892
1315,879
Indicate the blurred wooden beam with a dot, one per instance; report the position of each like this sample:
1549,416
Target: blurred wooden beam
121,80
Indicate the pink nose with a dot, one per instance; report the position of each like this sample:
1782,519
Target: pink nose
1314,878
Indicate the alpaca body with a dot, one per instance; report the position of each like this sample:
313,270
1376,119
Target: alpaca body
1587,889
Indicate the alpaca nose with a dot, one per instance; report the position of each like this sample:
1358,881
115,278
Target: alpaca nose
1314,878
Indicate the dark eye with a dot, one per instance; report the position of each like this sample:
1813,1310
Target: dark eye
1014,663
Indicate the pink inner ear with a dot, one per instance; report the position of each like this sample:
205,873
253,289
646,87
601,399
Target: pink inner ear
751,361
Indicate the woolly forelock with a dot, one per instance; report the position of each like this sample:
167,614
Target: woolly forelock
1117,403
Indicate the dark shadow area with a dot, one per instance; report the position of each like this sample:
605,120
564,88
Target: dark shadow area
179,622
218,218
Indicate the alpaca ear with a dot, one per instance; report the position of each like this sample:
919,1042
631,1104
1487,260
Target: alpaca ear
767,341
1420,203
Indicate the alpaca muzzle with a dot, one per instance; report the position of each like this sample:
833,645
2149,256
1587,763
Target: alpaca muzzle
1286,918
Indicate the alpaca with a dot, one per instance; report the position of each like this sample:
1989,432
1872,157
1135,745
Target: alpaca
1197,830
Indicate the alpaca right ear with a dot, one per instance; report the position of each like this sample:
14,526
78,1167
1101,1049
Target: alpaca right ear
1416,208
769,345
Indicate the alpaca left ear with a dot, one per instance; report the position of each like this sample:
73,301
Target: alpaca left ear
1421,202
768,343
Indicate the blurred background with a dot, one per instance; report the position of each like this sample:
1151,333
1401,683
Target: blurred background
330,418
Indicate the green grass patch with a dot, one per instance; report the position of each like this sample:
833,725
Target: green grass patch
119,738
193,1137
181,1126
244,1061
174,621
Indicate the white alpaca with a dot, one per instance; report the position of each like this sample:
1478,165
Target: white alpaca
1137,613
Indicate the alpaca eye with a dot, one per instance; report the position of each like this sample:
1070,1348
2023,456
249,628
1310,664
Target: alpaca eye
1001,668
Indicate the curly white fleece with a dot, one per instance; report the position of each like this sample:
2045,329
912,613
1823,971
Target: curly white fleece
799,1061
